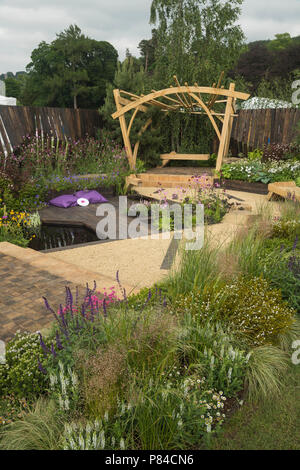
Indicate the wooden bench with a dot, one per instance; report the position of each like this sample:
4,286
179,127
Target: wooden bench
166,157
285,189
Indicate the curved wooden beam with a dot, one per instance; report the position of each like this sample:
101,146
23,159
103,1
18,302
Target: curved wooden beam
209,114
131,121
179,90
123,126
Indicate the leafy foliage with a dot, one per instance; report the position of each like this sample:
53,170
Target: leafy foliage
250,306
196,41
257,171
270,66
20,374
278,152
70,71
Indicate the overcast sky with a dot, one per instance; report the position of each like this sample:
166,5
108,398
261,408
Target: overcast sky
124,23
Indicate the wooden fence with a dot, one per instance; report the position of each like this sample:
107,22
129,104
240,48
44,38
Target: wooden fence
251,129
254,128
19,121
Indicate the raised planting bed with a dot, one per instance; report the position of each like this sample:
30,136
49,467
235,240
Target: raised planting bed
244,186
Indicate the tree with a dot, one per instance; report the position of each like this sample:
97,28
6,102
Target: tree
254,64
71,46
196,41
281,41
147,49
72,70
127,78
270,65
14,85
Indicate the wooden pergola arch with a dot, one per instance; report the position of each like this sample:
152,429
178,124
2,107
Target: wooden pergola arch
183,99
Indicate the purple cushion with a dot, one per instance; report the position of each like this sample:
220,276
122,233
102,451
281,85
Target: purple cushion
67,200
92,196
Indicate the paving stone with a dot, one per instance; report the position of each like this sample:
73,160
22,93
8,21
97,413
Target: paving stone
22,287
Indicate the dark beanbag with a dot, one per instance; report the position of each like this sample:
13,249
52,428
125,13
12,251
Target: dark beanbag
67,200
92,196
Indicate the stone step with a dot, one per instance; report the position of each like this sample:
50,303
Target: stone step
149,180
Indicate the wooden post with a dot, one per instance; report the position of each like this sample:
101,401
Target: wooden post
136,147
124,130
226,129
229,129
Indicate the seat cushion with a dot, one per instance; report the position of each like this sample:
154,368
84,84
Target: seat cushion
65,201
92,196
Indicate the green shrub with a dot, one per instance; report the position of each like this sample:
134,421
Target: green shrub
20,374
212,350
6,189
257,171
255,155
147,296
254,309
162,414
250,306
281,266
288,229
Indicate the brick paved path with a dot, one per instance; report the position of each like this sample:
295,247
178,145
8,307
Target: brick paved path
22,287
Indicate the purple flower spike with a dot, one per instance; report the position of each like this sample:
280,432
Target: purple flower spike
65,332
83,311
87,290
295,243
58,342
43,345
62,316
41,368
120,286
70,300
47,305
53,351
104,308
